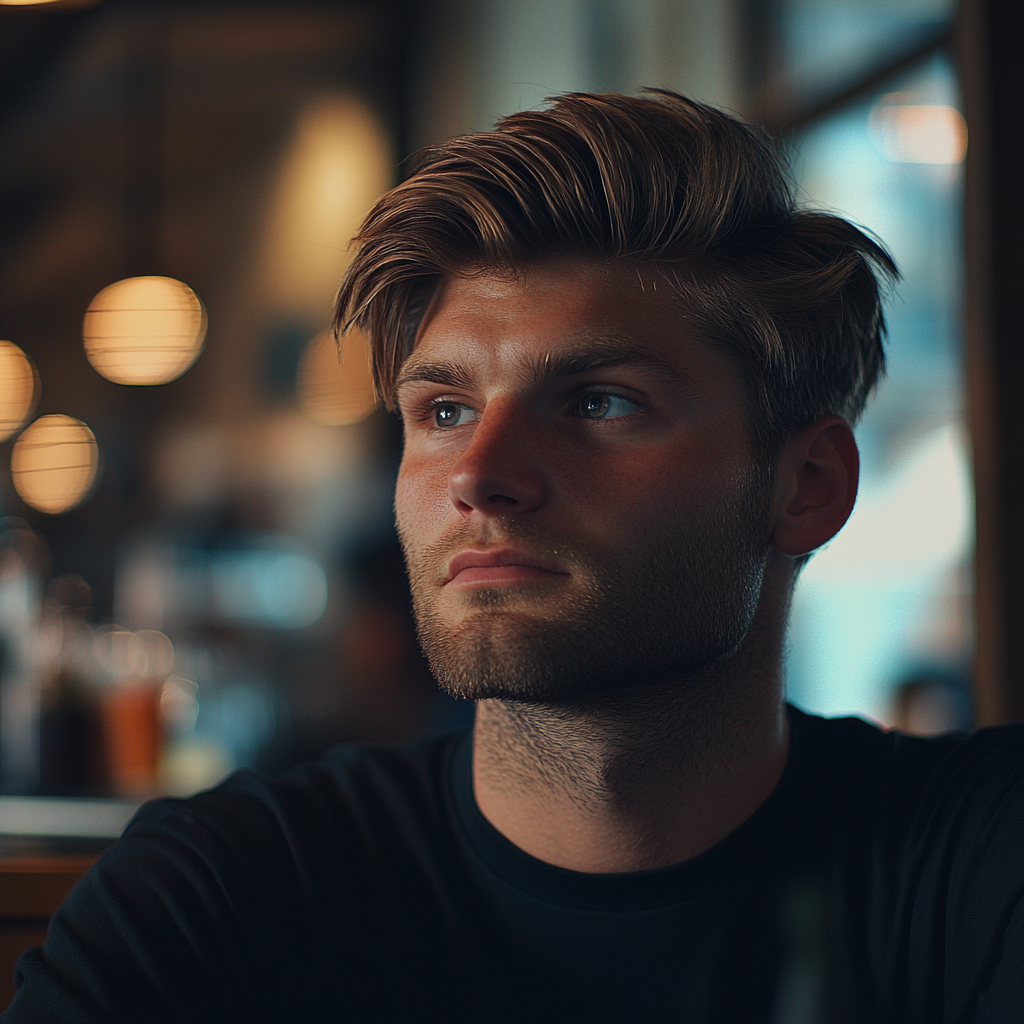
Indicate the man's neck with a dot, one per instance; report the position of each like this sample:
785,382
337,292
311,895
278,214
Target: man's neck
646,779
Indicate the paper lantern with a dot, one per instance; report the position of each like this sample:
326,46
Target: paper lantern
333,391
54,462
19,389
144,330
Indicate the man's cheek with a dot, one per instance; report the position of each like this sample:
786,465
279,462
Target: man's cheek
422,504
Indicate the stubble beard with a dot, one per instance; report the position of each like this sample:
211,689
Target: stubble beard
675,601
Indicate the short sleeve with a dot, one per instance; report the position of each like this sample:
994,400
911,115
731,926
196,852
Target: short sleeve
193,915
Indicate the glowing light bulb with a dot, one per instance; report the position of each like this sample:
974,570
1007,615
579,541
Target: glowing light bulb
144,330
336,391
19,389
54,463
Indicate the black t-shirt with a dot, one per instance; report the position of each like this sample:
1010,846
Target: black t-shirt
881,881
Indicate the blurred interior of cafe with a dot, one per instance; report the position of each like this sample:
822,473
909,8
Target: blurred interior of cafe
198,564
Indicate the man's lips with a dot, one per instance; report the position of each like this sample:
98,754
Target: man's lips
499,567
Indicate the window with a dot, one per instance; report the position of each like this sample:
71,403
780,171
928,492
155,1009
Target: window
881,617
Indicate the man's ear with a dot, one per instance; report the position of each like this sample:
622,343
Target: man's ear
815,486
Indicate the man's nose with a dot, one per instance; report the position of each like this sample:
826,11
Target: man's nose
500,472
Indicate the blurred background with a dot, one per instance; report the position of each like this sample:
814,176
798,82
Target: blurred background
198,566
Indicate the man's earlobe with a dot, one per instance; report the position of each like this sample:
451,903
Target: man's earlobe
816,486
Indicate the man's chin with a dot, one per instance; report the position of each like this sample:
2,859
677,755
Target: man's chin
502,625
495,651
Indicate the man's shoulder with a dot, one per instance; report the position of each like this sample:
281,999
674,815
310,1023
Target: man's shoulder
953,798
347,795
256,891
864,753
928,835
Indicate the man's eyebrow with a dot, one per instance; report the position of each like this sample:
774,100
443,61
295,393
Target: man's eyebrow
433,371
600,354
583,357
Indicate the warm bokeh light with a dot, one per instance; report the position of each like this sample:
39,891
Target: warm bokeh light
339,163
921,133
19,389
125,655
332,391
144,330
63,4
54,463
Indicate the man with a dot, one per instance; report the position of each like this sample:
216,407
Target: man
627,368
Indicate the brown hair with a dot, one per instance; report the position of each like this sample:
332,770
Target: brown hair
660,180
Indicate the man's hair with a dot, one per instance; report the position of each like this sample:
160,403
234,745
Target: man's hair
657,180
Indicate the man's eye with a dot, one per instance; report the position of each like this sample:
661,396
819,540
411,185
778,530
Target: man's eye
605,407
452,414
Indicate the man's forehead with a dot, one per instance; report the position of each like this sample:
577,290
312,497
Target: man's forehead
559,305
576,280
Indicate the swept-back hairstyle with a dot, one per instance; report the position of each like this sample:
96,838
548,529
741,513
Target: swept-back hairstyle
655,180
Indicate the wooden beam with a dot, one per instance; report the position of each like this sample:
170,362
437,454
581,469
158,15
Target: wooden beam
989,40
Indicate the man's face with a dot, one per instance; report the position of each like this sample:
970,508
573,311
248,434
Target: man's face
577,501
